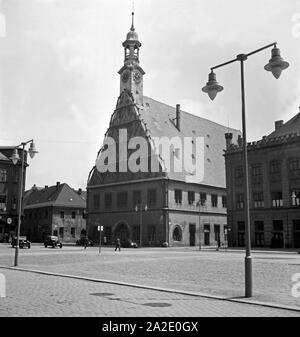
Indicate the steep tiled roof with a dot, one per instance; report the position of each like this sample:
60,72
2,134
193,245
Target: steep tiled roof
3,157
158,119
291,126
59,195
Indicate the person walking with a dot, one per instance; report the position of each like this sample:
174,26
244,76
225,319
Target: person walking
86,242
118,245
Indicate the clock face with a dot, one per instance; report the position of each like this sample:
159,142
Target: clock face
125,76
137,76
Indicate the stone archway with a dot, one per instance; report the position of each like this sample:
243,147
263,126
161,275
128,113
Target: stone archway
122,232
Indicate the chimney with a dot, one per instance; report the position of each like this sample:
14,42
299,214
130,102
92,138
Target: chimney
240,140
46,186
34,188
57,185
228,137
178,116
278,124
79,191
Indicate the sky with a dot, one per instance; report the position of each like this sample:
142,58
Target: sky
59,63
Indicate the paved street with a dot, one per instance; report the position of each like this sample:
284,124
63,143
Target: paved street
30,294
187,269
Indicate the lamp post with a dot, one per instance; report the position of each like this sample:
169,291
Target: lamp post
141,219
15,158
276,65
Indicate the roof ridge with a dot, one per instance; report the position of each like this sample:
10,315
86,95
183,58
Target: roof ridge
189,113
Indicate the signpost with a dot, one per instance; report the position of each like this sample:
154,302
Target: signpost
100,229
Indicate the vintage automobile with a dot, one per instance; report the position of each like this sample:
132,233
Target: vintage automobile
23,242
82,241
52,241
128,244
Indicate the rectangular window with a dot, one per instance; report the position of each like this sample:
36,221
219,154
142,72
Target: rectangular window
278,225
122,199
61,232
151,233
96,201
214,200
191,197
14,203
294,164
73,215
296,225
151,197
136,198
202,198
239,173
258,200
257,174
295,195
277,199
178,196
241,226
62,215
275,167
3,176
73,232
259,226
240,201
46,214
108,200
2,202
224,201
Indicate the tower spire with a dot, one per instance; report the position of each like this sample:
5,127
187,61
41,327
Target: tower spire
131,73
132,25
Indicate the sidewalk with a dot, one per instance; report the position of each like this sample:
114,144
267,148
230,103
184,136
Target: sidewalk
67,297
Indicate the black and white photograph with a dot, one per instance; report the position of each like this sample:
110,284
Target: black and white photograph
149,163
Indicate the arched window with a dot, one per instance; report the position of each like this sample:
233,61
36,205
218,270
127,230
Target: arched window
177,234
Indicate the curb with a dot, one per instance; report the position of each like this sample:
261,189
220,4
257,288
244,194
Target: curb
182,292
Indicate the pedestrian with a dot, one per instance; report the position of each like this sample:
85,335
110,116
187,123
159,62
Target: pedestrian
85,243
219,243
104,240
118,245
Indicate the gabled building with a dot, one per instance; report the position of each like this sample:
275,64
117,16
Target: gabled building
143,195
55,210
274,184
9,191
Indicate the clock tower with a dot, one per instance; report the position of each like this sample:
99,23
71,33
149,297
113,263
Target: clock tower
131,73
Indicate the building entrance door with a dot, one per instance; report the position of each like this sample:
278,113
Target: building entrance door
192,234
122,232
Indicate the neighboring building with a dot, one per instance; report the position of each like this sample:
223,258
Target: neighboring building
56,210
9,191
274,179
173,202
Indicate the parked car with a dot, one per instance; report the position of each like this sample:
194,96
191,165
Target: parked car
52,241
82,241
129,244
23,242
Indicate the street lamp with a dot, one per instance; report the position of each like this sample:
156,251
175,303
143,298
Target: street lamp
15,158
141,219
276,65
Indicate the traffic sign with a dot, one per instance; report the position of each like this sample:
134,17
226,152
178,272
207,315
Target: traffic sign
9,221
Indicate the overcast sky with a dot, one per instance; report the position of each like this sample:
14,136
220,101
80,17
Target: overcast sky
59,61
